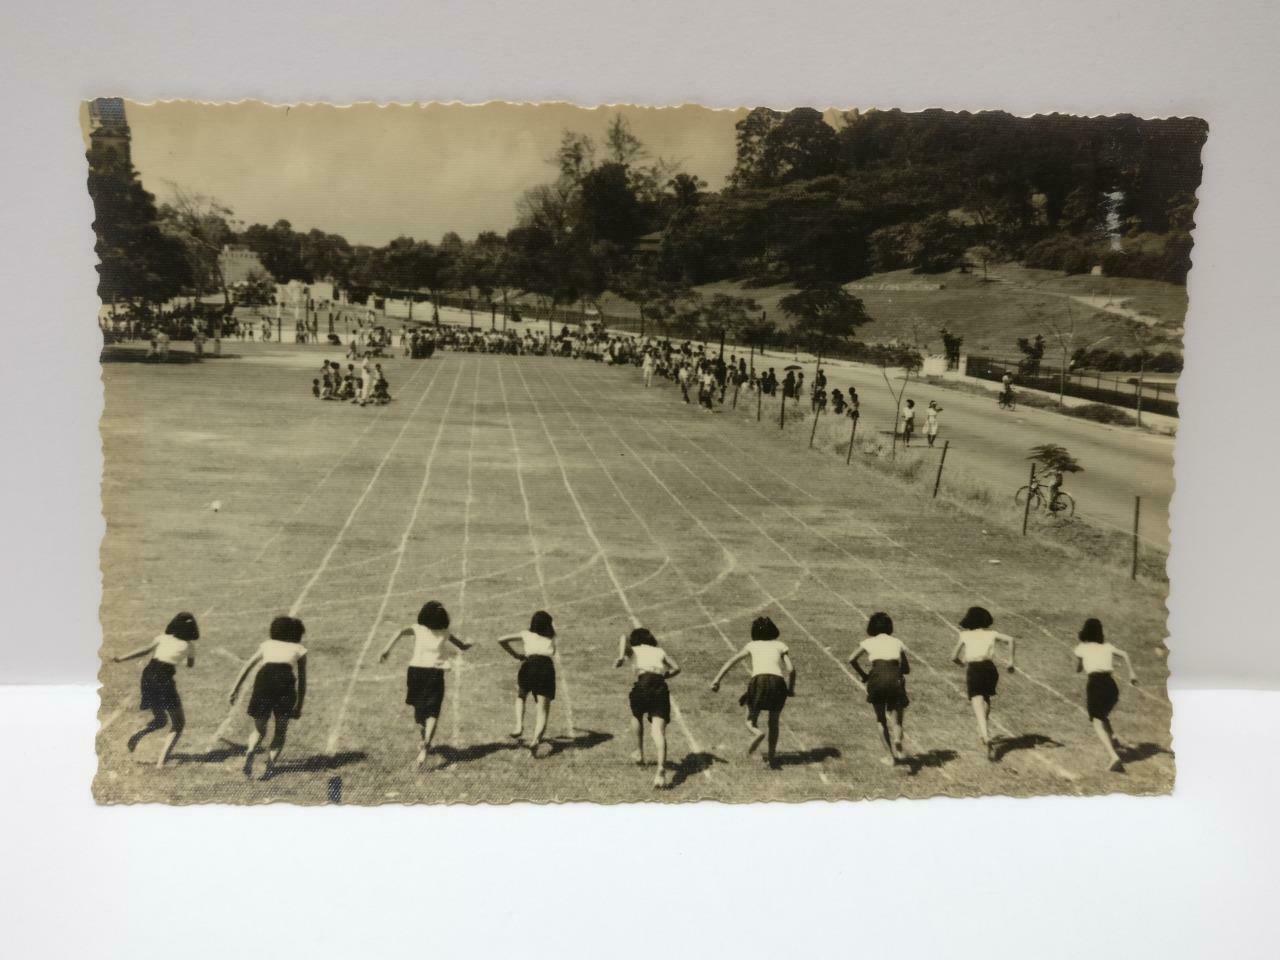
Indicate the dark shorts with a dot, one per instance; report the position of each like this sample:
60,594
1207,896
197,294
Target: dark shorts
275,692
886,687
424,691
766,691
981,679
1101,695
159,690
537,676
650,696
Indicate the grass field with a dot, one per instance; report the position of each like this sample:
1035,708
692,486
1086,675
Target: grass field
499,485
990,316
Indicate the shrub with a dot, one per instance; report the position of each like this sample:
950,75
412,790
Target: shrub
1099,413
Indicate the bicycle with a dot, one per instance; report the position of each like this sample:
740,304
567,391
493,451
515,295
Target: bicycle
1063,505
1006,401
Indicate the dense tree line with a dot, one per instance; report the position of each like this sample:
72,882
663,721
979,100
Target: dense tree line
810,202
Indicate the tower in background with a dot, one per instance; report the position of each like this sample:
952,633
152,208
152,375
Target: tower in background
109,137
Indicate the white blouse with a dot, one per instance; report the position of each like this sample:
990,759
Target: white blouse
766,657
1096,657
281,651
882,647
536,645
979,645
430,648
170,649
649,659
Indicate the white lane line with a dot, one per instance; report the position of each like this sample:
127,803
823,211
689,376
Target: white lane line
456,685
533,537
995,605
218,734
613,576
731,559
893,585
346,525
1056,768
345,705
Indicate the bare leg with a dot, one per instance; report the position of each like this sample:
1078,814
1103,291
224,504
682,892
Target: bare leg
637,728
179,721
156,722
428,730
255,738
757,735
1103,729
518,730
658,727
277,745
981,709
895,721
543,711
774,717
882,720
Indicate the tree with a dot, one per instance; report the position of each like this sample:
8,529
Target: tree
257,290
985,256
724,314
137,260
608,207
1054,457
826,314
951,346
1032,353
203,226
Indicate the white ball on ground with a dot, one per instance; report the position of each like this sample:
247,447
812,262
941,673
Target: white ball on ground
215,506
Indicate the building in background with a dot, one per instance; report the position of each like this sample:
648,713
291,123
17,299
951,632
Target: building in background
239,263
109,137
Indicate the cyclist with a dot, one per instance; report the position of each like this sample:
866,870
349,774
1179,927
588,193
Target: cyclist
1052,479
1006,389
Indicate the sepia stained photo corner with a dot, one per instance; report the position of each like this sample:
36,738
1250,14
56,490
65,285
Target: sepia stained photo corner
540,453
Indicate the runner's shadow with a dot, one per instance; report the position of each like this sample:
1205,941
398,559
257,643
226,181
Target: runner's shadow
1028,741
476,751
1143,751
801,758
216,755
691,765
583,740
933,760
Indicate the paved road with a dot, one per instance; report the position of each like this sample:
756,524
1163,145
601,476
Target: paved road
992,444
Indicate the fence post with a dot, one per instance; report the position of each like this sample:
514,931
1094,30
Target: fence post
849,456
941,460
759,400
782,413
1026,510
1137,510
813,432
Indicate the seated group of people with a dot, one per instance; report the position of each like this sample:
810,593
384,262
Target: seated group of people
364,385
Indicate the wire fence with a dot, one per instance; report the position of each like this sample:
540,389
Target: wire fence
1133,393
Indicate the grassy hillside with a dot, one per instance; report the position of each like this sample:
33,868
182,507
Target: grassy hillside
992,314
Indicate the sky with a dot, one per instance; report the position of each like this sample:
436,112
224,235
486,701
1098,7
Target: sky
372,173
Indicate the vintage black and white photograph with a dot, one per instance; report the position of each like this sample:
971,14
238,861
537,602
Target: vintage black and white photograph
537,452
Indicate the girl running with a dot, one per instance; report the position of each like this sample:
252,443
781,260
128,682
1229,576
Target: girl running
159,690
977,643
649,695
1096,657
768,690
886,681
537,674
424,681
278,689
